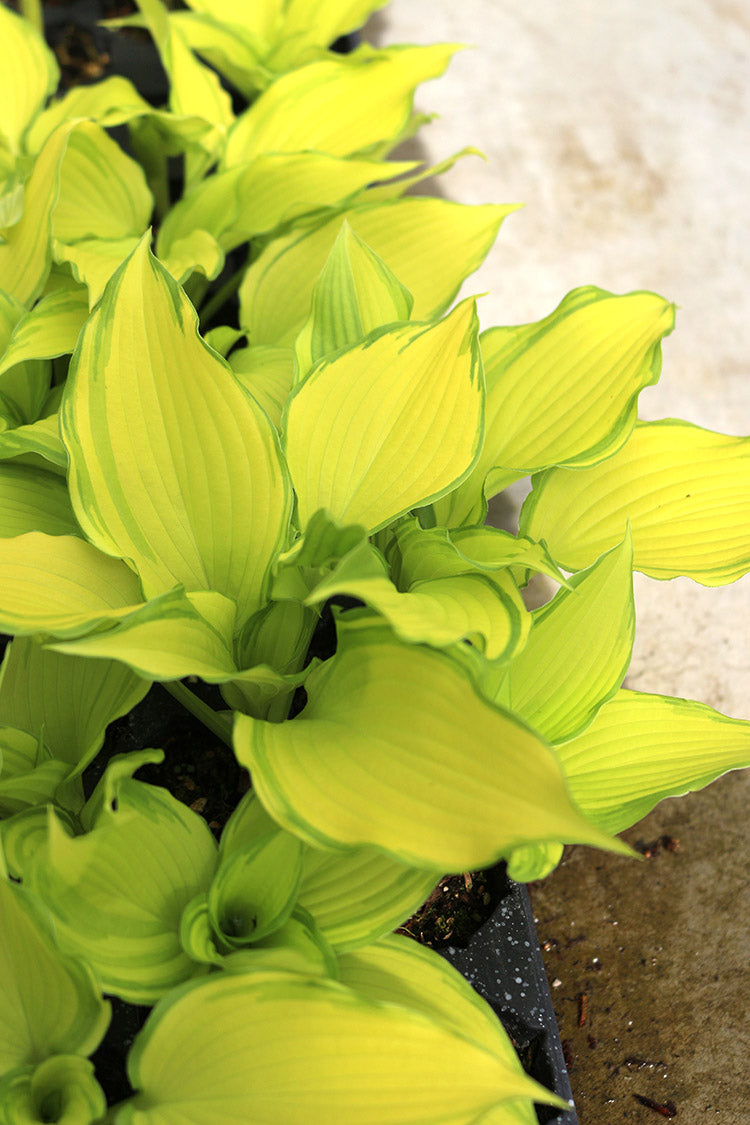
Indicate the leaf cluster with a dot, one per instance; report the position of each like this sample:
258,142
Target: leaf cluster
232,403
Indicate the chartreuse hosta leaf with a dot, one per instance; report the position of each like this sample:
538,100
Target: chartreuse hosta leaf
28,74
419,554
360,894
578,650
167,638
116,894
24,390
345,1058
255,888
28,776
34,500
355,294
642,748
365,432
430,245
172,463
49,329
269,20
268,373
355,895
50,1003
61,584
227,47
110,101
103,192
66,702
271,189
62,1088
533,861
292,942
340,105
277,638
355,768
323,543
437,611
563,390
292,31
194,89
40,440
95,236
685,491
297,947
176,635
25,255
399,971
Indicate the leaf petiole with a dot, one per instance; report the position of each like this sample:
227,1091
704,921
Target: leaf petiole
219,723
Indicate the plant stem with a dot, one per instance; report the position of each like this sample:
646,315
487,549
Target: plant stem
32,11
218,722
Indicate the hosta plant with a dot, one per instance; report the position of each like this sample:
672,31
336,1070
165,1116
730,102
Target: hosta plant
232,406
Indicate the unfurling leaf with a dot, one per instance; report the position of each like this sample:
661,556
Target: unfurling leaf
365,432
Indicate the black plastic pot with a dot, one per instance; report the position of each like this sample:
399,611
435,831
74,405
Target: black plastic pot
72,31
503,963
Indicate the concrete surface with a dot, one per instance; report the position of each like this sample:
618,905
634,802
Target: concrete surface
625,128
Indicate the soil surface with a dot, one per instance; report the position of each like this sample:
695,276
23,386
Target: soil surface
455,910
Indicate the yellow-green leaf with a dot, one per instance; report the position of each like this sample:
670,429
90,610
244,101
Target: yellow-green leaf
339,106
578,650
103,192
355,896
427,553
61,584
116,893
400,971
92,261
226,45
355,294
194,89
269,190
563,390
438,611
268,373
40,439
172,464
360,894
356,768
168,638
254,889
66,1081
50,329
25,255
365,432
69,703
642,748
49,1003
320,22
430,245
685,491
34,500
110,101
28,74
345,1058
